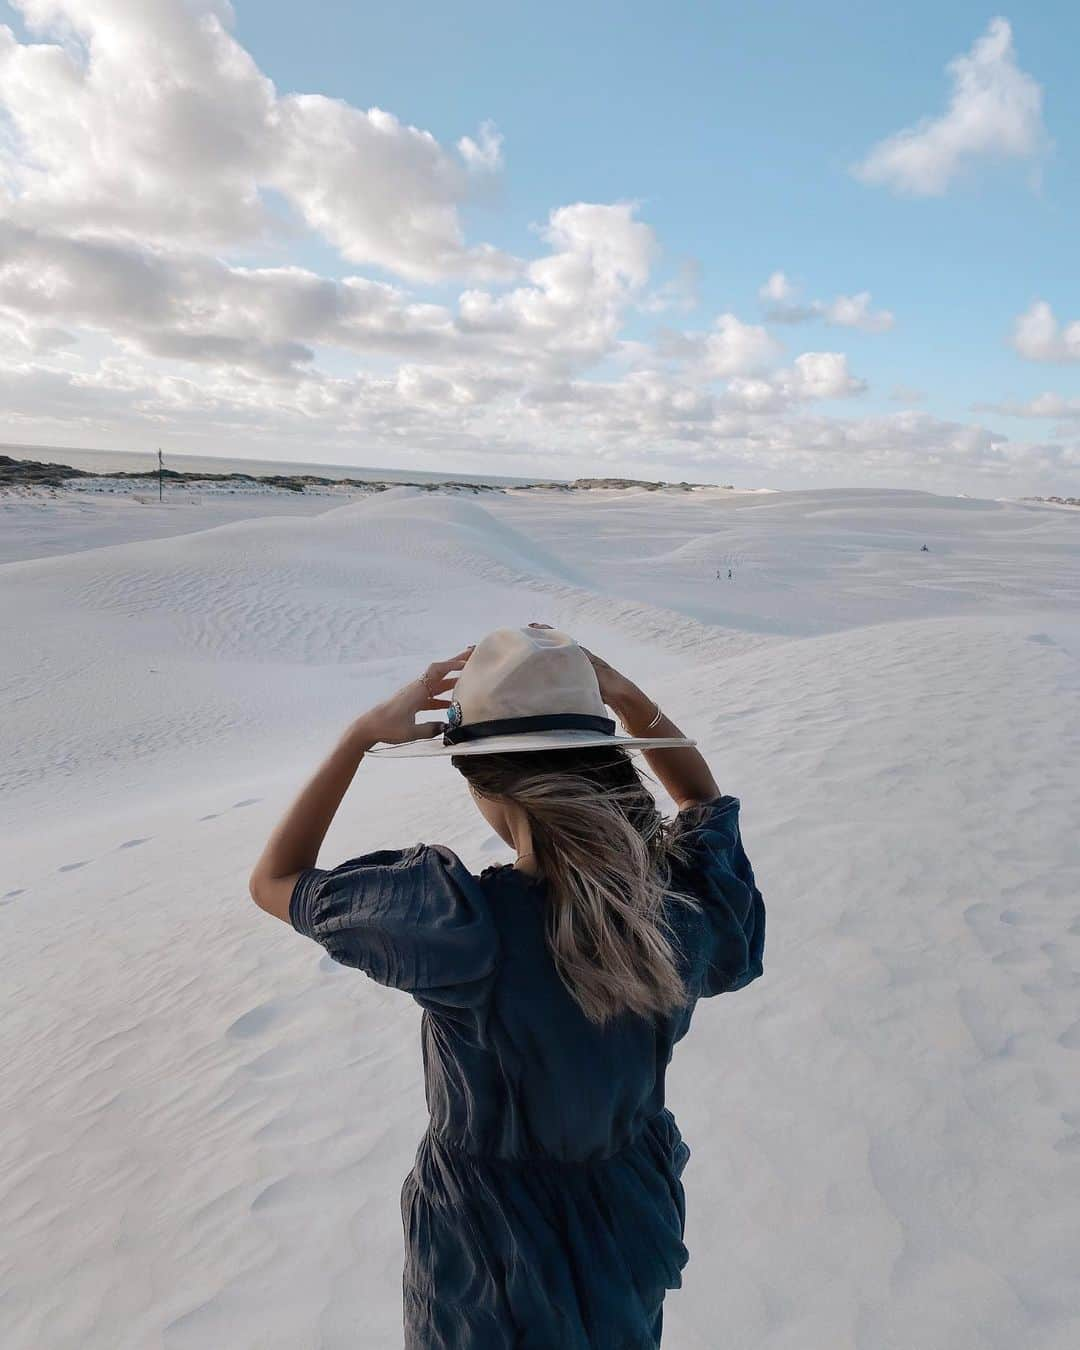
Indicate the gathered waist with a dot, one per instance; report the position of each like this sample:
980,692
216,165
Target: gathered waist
658,1131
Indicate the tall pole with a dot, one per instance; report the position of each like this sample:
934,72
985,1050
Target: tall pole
161,474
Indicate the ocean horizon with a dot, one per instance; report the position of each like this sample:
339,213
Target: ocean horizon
131,461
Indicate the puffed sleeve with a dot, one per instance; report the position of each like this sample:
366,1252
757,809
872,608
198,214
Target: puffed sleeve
718,875
415,919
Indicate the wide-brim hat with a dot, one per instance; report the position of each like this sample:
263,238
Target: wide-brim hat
527,689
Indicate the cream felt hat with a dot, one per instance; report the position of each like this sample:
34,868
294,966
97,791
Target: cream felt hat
526,689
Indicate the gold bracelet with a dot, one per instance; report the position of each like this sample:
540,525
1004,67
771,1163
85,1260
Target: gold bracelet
626,726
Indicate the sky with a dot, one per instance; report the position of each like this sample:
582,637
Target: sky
774,245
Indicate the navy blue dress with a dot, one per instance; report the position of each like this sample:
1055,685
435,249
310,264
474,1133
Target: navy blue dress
545,1210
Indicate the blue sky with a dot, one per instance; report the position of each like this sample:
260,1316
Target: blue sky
735,131
735,127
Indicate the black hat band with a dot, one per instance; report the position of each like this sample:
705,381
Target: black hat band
515,726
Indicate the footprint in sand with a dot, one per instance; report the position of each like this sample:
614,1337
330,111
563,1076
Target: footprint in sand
248,801
1070,1038
256,1021
979,918
134,843
73,867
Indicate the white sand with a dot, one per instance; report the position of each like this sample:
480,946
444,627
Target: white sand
204,1124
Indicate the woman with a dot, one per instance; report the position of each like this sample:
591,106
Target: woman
545,1209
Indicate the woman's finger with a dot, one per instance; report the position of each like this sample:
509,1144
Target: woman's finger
440,703
439,684
454,663
598,661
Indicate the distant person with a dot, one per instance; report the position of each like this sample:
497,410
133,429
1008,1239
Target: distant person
924,549
545,1207
729,574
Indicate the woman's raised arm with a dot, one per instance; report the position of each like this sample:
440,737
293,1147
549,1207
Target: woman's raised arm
682,769
294,844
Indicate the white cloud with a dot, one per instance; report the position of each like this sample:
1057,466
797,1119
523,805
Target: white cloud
994,113
813,375
380,191
1038,336
845,311
578,294
778,290
646,419
822,375
21,336
1048,405
485,153
147,118
682,292
736,348
853,311
199,309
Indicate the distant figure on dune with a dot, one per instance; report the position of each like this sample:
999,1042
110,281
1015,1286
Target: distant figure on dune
545,1207
924,549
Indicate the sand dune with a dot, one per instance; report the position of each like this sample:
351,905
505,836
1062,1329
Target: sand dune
205,1123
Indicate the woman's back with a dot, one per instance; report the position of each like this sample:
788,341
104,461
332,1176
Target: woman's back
536,1078
549,1144
540,1080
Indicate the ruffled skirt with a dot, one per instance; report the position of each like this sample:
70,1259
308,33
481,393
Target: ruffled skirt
541,1254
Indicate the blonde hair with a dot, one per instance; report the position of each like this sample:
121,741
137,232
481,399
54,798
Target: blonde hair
605,853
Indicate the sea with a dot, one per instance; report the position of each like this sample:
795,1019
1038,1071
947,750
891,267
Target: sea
131,461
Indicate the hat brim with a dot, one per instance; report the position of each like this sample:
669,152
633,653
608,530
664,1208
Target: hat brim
532,740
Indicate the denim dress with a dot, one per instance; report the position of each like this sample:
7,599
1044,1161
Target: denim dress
545,1209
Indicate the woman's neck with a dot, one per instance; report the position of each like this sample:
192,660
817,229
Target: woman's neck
521,836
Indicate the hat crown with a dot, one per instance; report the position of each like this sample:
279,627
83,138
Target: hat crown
527,672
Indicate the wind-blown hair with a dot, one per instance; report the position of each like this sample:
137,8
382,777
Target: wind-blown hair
606,855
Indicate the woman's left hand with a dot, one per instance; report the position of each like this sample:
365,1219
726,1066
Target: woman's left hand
394,720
